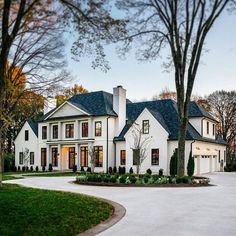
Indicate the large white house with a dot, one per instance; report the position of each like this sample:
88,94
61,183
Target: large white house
66,135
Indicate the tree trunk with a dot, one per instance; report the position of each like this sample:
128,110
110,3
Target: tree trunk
181,146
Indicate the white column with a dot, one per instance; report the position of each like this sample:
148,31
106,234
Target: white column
59,130
59,157
76,129
198,164
76,154
90,128
48,156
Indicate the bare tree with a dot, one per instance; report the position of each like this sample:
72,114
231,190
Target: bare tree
93,157
223,108
139,146
182,27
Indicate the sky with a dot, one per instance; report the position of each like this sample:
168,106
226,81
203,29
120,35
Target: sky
143,80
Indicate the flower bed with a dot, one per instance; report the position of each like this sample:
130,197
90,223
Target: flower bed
100,179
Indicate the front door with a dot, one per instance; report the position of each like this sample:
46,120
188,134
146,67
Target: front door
71,157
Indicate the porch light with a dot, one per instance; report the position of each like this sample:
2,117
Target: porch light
58,155
75,154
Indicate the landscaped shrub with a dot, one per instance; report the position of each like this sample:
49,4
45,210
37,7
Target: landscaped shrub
106,178
9,162
15,168
131,171
114,170
81,178
145,179
149,171
23,168
43,168
191,165
173,163
50,167
110,170
94,178
151,180
27,168
82,169
127,180
122,179
132,179
74,168
161,172
113,179
18,168
121,170
31,168
89,169
184,180
36,168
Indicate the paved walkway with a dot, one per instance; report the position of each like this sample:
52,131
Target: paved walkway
162,211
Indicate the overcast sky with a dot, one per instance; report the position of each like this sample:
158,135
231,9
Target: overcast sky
143,80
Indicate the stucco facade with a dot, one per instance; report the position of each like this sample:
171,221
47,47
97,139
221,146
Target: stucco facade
102,124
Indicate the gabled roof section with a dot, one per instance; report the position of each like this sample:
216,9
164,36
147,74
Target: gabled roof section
34,126
165,112
196,110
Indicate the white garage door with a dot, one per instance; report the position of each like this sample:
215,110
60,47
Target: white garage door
205,164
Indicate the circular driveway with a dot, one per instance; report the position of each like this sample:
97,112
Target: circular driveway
162,211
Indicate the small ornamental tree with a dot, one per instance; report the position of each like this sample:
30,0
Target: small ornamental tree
191,165
173,163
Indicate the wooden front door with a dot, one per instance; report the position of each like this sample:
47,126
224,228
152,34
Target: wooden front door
71,157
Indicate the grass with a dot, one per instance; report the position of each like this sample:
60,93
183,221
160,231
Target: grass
50,174
9,177
27,211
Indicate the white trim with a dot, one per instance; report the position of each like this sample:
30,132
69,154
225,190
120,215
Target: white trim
66,102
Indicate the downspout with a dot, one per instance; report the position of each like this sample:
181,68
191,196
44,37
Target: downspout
192,146
107,146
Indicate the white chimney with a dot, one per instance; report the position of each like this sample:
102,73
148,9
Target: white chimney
49,104
119,106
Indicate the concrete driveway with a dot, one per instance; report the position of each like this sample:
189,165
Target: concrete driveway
162,211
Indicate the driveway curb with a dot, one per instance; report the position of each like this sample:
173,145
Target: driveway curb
118,213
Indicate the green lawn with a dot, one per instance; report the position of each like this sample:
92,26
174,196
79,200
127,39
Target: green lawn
50,174
27,211
6,176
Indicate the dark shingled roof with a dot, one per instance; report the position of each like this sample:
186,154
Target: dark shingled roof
165,112
34,126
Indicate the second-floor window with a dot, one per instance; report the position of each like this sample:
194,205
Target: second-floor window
207,127
69,130
145,126
85,129
213,129
98,128
26,135
55,131
44,132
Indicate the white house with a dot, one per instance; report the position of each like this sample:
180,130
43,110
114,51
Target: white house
104,122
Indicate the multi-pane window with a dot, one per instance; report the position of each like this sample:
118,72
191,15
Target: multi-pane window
136,156
43,156
55,131
26,135
54,157
207,127
21,158
98,128
145,126
69,130
85,129
213,129
31,158
84,156
219,157
122,157
98,152
44,132
155,156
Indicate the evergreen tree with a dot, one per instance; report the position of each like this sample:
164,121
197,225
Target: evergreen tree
191,165
173,163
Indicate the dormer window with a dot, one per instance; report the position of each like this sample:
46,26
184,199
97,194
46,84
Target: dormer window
145,126
207,127
69,130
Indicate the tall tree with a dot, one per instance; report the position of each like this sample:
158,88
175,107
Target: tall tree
29,39
223,108
182,27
